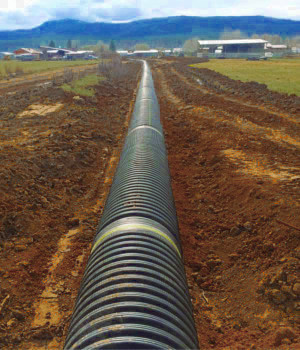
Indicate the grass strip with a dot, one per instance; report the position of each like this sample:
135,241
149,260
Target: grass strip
83,86
9,67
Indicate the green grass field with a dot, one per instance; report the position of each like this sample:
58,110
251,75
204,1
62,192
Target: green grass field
281,75
83,86
7,67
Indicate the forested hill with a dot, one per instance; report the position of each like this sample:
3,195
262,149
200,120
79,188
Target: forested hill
170,31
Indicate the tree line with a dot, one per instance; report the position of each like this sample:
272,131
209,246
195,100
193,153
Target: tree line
189,46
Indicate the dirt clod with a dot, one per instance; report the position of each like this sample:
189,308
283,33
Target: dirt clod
284,334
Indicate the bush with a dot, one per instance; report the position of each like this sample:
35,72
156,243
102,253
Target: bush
68,75
113,69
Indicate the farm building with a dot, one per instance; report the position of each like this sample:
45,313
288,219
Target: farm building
52,53
78,55
25,51
295,50
232,48
138,53
277,50
123,53
7,55
145,53
276,47
167,52
178,51
26,57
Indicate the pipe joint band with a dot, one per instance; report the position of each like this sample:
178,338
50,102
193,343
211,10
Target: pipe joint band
135,227
145,127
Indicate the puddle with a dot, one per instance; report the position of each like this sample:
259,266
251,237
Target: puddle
39,110
259,167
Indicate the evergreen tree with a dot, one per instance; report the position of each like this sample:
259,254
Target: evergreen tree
112,46
52,43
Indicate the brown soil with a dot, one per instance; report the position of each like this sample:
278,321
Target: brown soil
234,160
235,172
57,161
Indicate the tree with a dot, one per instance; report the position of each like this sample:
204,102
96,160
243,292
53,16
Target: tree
69,44
190,46
112,46
52,43
142,47
75,44
232,34
102,47
98,49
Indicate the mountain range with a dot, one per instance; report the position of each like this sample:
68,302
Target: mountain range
167,32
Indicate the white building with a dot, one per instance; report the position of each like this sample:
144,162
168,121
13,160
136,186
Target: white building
123,53
7,55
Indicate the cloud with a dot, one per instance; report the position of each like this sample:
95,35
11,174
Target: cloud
15,14
35,13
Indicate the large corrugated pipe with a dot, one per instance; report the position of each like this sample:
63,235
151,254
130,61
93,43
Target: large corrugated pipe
134,293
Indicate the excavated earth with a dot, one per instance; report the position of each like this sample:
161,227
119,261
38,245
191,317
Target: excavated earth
234,160
58,153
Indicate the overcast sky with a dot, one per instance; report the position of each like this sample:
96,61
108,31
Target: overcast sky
17,14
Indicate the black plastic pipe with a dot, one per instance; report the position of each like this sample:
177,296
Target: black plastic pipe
134,293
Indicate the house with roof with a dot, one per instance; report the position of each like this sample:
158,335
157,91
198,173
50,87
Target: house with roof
236,48
277,50
6,55
23,52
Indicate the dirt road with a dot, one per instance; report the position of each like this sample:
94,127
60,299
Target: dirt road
234,160
48,77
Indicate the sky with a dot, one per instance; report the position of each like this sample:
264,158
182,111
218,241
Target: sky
24,14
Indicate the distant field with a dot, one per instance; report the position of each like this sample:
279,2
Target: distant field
281,75
7,67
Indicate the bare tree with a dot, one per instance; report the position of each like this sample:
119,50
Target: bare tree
233,34
190,46
142,47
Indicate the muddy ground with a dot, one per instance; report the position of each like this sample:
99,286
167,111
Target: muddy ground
234,159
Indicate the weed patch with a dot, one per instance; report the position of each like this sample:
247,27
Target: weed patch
83,86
